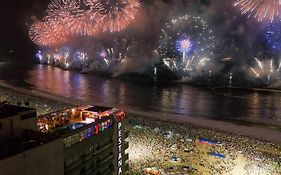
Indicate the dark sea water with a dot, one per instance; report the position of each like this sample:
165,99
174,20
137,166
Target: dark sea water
175,98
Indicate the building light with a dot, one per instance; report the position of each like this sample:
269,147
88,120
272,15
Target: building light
119,144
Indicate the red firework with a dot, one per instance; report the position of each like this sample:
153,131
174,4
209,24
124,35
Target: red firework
260,9
118,14
67,19
45,35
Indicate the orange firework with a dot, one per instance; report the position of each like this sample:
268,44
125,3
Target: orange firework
77,20
260,9
118,14
67,19
43,34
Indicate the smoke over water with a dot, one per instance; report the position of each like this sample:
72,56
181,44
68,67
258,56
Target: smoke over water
197,40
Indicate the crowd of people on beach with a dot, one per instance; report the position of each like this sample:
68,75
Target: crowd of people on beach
163,147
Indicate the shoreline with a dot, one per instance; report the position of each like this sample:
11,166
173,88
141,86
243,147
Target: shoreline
262,133
249,89
159,145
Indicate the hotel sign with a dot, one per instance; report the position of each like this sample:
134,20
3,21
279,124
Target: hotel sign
119,145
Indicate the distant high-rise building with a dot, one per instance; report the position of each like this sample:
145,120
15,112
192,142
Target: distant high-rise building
81,140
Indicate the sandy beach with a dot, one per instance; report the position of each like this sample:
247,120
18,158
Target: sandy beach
159,144
175,148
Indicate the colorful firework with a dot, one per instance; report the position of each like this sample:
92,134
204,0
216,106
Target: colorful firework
79,17
260,9
79,59
266,70
118,14
273,35
97,58
184,45
39,55
187,40
67,19
60,9
85,22
44,34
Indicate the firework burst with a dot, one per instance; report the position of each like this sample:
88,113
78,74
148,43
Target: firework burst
260,9
273,35
184,45
118,14
186,40
60,9
67,19
78,17
267,70
44,34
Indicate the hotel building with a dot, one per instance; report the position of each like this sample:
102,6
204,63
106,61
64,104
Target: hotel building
82,140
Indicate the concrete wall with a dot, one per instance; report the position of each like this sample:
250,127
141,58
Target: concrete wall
13,126
29,123
5,131
45,159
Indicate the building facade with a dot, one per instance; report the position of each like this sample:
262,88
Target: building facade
88,140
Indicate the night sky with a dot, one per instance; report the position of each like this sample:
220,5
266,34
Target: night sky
237,34
15,16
